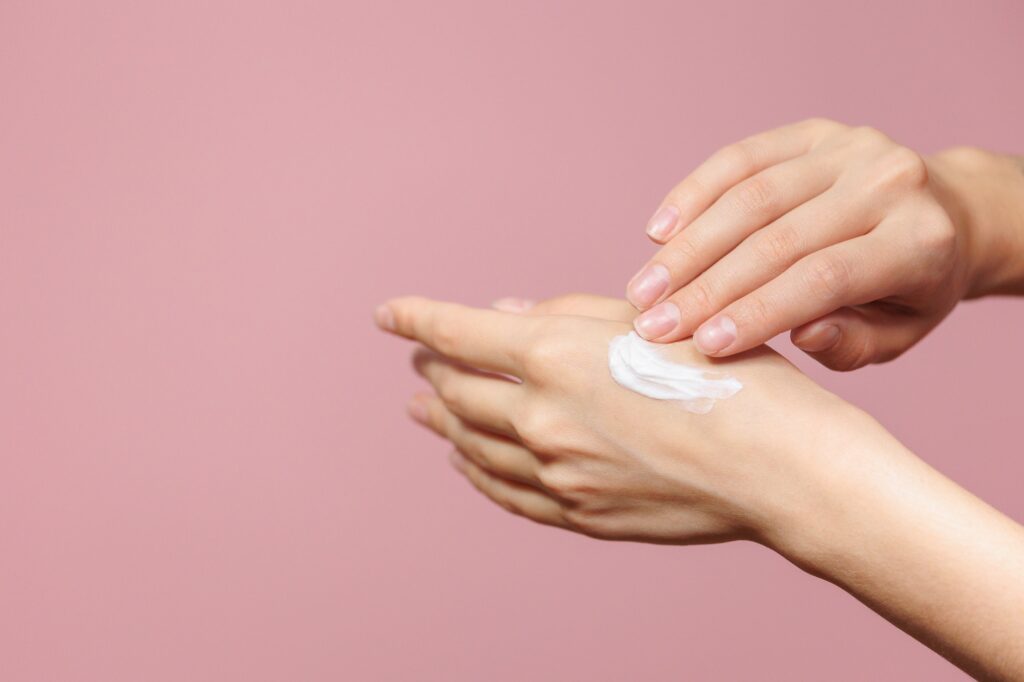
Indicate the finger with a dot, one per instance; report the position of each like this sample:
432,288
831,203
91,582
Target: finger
586,305
513,497
513,304
747,207
764,255
482,338
486,400
851,338
496,454
729,166
853,272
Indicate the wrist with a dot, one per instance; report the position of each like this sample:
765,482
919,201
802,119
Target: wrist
841,484
983,194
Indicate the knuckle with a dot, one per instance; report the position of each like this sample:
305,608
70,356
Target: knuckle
906,167
537,428
742,157
445,335
509,505
756,312
700,295
776,245
830,277
755,196
565,482
868,137
547,351
586,521
473,448
821,124
449,393
679,252
694,186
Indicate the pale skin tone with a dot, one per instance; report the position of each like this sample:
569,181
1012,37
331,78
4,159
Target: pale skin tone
854,242
783,463
859,246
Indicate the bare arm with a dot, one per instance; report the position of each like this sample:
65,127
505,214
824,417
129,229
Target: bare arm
919,550
783,462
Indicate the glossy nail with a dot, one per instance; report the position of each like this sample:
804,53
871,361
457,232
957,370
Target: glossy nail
817,338
384,318
663,222
715,336
658,321
648,285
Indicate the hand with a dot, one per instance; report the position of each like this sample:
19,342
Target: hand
782,462
855,243
566,446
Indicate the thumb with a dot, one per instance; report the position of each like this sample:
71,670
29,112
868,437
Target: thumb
850,338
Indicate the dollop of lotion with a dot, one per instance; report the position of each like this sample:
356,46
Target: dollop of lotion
641,367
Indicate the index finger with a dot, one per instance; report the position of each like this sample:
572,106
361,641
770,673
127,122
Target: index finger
728,167
486,339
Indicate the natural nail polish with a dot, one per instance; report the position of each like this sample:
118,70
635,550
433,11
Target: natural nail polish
818,338
384,318
663,223
715,336
658,321
648,285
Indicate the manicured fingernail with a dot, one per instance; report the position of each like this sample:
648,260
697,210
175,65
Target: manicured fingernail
715,336
384,318
663,222
648,285
511,304
817,338
418,409
658,321
457,460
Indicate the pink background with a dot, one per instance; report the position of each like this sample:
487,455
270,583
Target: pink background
205,470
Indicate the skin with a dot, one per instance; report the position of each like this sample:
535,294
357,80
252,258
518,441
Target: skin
854,242
541,429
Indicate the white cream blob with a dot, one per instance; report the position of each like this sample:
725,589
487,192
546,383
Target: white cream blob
641,367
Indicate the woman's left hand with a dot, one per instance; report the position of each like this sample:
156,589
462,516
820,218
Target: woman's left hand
563,444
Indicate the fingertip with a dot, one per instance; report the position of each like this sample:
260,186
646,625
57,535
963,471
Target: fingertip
648,285
457,461
658,323
384,317
513,304
716,337
418,408
663,223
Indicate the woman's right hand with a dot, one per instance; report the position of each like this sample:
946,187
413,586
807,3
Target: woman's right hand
856,243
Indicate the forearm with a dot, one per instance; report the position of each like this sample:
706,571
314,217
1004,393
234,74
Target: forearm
984,195
927,555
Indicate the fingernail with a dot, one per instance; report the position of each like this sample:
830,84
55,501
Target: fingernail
417,409
384,318
648,285
661,224
715,336
457,460
658,321
511,304
817,338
